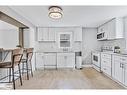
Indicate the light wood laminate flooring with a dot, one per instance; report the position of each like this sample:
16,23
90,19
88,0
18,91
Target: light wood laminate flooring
87,78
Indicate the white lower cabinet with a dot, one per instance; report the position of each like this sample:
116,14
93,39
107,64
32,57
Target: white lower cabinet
50,60
125,78
119,69
39,61
66,60
55,60
106,63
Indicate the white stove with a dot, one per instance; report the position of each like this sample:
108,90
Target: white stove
96,60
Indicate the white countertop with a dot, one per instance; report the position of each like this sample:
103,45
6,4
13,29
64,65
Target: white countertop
119,54
55,51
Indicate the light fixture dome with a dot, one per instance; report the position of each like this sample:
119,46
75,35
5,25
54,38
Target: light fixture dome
55,12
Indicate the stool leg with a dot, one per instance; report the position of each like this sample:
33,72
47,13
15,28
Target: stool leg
27,69
20,74
13,79
22,68
31,69
9,75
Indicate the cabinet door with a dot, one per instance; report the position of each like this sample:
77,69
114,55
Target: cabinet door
52,34
78,34
101,29
43,34
39,60
111,29
65,60
118,74
50,59
106,69
61,60
70,61
39,34
125,76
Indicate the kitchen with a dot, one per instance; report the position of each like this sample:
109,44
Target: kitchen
71,46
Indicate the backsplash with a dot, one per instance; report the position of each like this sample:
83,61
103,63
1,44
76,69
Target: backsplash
53,46
119,42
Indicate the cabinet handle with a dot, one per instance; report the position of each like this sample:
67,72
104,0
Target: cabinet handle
104,61
65,57
122,59
120,65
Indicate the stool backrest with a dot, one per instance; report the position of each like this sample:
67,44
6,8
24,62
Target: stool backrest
17,56
29,53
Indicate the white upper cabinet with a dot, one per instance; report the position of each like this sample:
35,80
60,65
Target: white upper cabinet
111,30
46,34
101,29
78,34
42,34
52,34
115,29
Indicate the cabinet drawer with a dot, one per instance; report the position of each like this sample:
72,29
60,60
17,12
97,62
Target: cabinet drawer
123,59
120,59
106,62
65,54
106,70
107,56
116,58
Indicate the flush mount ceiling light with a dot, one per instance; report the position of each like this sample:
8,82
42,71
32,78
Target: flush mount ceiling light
55,12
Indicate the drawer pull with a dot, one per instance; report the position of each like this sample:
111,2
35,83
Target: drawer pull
121,65
123,59
65,57
104,61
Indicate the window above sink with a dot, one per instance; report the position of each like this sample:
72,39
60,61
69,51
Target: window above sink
65,40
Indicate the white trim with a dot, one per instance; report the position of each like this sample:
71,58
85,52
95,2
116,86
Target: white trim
87,65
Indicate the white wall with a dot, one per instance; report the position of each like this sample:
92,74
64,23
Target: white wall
9,38
89,44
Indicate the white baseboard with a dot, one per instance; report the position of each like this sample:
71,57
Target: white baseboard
87,65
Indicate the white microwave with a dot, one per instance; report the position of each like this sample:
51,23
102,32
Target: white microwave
101,36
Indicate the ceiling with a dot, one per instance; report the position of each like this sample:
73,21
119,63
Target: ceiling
86,16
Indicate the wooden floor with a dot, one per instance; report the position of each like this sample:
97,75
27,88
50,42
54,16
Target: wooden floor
87,78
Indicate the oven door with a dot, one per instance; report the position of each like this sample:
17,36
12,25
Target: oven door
96,59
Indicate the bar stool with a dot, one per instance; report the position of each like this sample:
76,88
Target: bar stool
27,61
15,61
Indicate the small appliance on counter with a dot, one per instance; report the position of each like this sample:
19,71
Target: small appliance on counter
116,49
